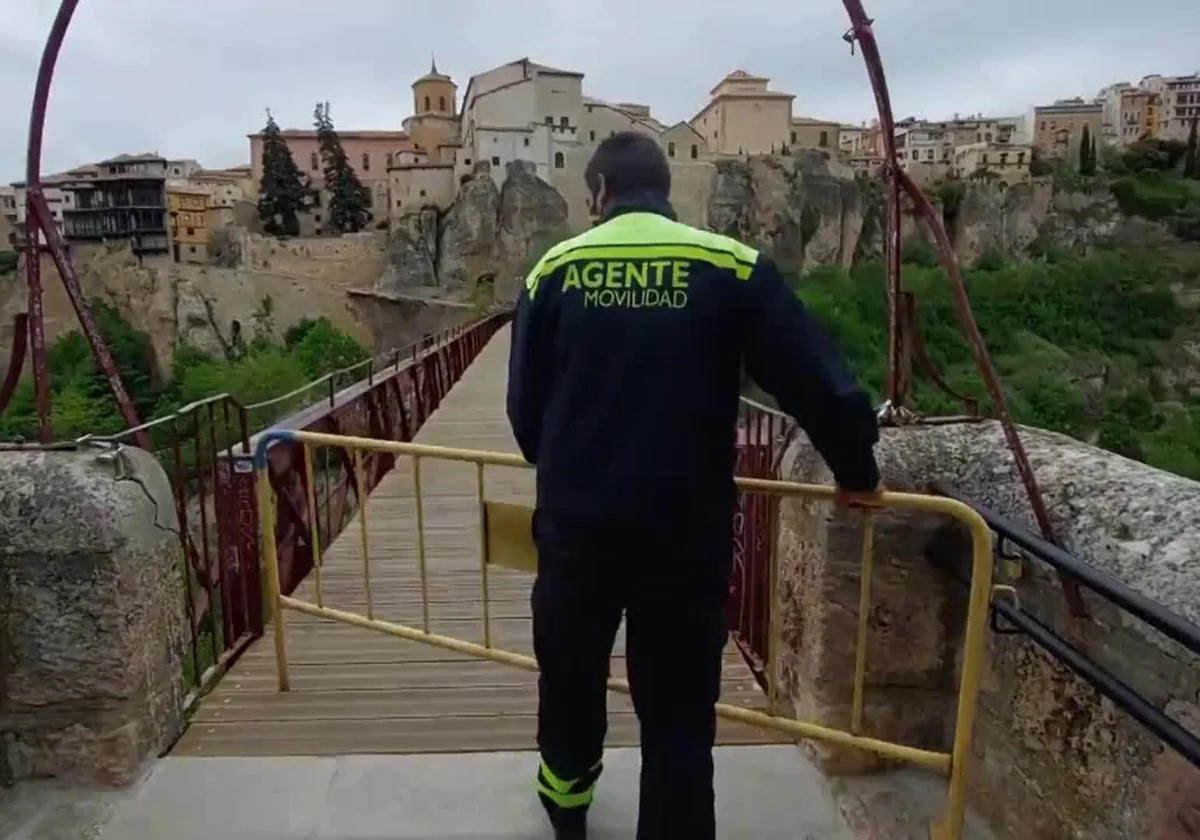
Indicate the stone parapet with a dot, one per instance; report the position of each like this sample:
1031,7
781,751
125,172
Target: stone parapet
92,624
1052,758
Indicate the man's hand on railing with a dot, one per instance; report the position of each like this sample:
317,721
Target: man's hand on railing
857,498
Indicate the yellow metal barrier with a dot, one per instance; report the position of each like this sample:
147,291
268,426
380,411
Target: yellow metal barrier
506,540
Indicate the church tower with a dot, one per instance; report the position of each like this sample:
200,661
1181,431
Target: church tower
435,94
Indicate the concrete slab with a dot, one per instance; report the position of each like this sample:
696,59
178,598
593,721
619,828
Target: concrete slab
762,792
229,798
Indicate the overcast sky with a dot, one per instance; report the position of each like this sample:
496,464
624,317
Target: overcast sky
191,79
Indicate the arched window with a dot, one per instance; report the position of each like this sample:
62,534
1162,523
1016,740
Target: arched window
670,150
441,103
427,105
695,151
559,161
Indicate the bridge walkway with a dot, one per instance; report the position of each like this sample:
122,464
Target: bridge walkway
355,691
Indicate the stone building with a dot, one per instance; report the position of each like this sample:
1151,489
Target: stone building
1058,128
808,133
1007,163
744,117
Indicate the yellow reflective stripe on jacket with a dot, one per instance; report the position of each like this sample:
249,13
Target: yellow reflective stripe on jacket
647,236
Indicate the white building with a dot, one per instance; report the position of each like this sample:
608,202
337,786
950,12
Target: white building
523,111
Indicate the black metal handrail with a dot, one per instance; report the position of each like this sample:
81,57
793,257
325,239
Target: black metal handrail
1122,695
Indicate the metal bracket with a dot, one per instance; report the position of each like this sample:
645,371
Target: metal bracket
994,619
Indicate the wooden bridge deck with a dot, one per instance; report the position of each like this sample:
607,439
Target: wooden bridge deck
357,691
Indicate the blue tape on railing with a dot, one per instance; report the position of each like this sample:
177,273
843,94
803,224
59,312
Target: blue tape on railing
265,439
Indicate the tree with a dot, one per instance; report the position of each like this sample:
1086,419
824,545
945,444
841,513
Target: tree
1087,165
1191,158
283,192
1093,158
349,200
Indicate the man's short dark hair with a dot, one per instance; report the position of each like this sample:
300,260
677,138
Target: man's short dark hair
630,163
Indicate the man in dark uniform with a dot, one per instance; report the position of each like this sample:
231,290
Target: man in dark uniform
627,349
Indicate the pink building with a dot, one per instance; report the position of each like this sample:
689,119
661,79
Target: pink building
369,152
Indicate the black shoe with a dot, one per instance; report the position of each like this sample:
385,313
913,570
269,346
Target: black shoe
568,823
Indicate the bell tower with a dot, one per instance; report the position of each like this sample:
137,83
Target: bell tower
435,94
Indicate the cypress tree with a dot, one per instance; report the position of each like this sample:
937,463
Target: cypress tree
349,200
1191,158
1093,159
283,191
1085,151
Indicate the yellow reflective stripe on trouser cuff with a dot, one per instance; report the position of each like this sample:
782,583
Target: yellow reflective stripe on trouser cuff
560,791
568,800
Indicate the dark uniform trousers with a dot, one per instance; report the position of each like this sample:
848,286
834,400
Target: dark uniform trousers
671,583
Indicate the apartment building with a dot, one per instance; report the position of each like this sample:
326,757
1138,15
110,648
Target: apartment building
1179,103
124,198
187,211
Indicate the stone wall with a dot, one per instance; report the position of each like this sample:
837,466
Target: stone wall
91,615
1052,759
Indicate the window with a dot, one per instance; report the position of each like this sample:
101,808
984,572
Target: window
1004,158
670,150
366,162
1020,158
495,161
549,120
441,103
391,159
988,137
564,122
793,137
191,231
559,161
313,162
983,158
422,193
929,154
466,161
398,202
427,104
916,154
526,141
695,151
591,134
824,141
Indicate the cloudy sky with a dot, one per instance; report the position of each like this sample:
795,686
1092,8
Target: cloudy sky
191,79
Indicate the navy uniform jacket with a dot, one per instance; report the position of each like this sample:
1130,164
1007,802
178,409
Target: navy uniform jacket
627,349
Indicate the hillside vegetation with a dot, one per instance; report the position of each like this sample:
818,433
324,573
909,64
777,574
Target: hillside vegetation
259,371
1093,346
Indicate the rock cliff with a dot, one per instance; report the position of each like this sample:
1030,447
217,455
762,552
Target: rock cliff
439,266
487,232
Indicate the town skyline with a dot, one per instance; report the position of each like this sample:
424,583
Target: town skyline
210,123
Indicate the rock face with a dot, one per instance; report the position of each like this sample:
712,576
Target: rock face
91,615
1052,759
804,209
487,232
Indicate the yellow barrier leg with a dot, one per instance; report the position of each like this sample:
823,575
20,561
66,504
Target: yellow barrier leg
867,568
266,514
950,826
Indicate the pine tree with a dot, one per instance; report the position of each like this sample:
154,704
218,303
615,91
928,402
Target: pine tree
1085,152
1093,159
1191,158
349,200
283,192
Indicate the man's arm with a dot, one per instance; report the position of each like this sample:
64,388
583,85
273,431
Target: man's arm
530,365
789,356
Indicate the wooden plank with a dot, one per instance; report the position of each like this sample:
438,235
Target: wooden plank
359,691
